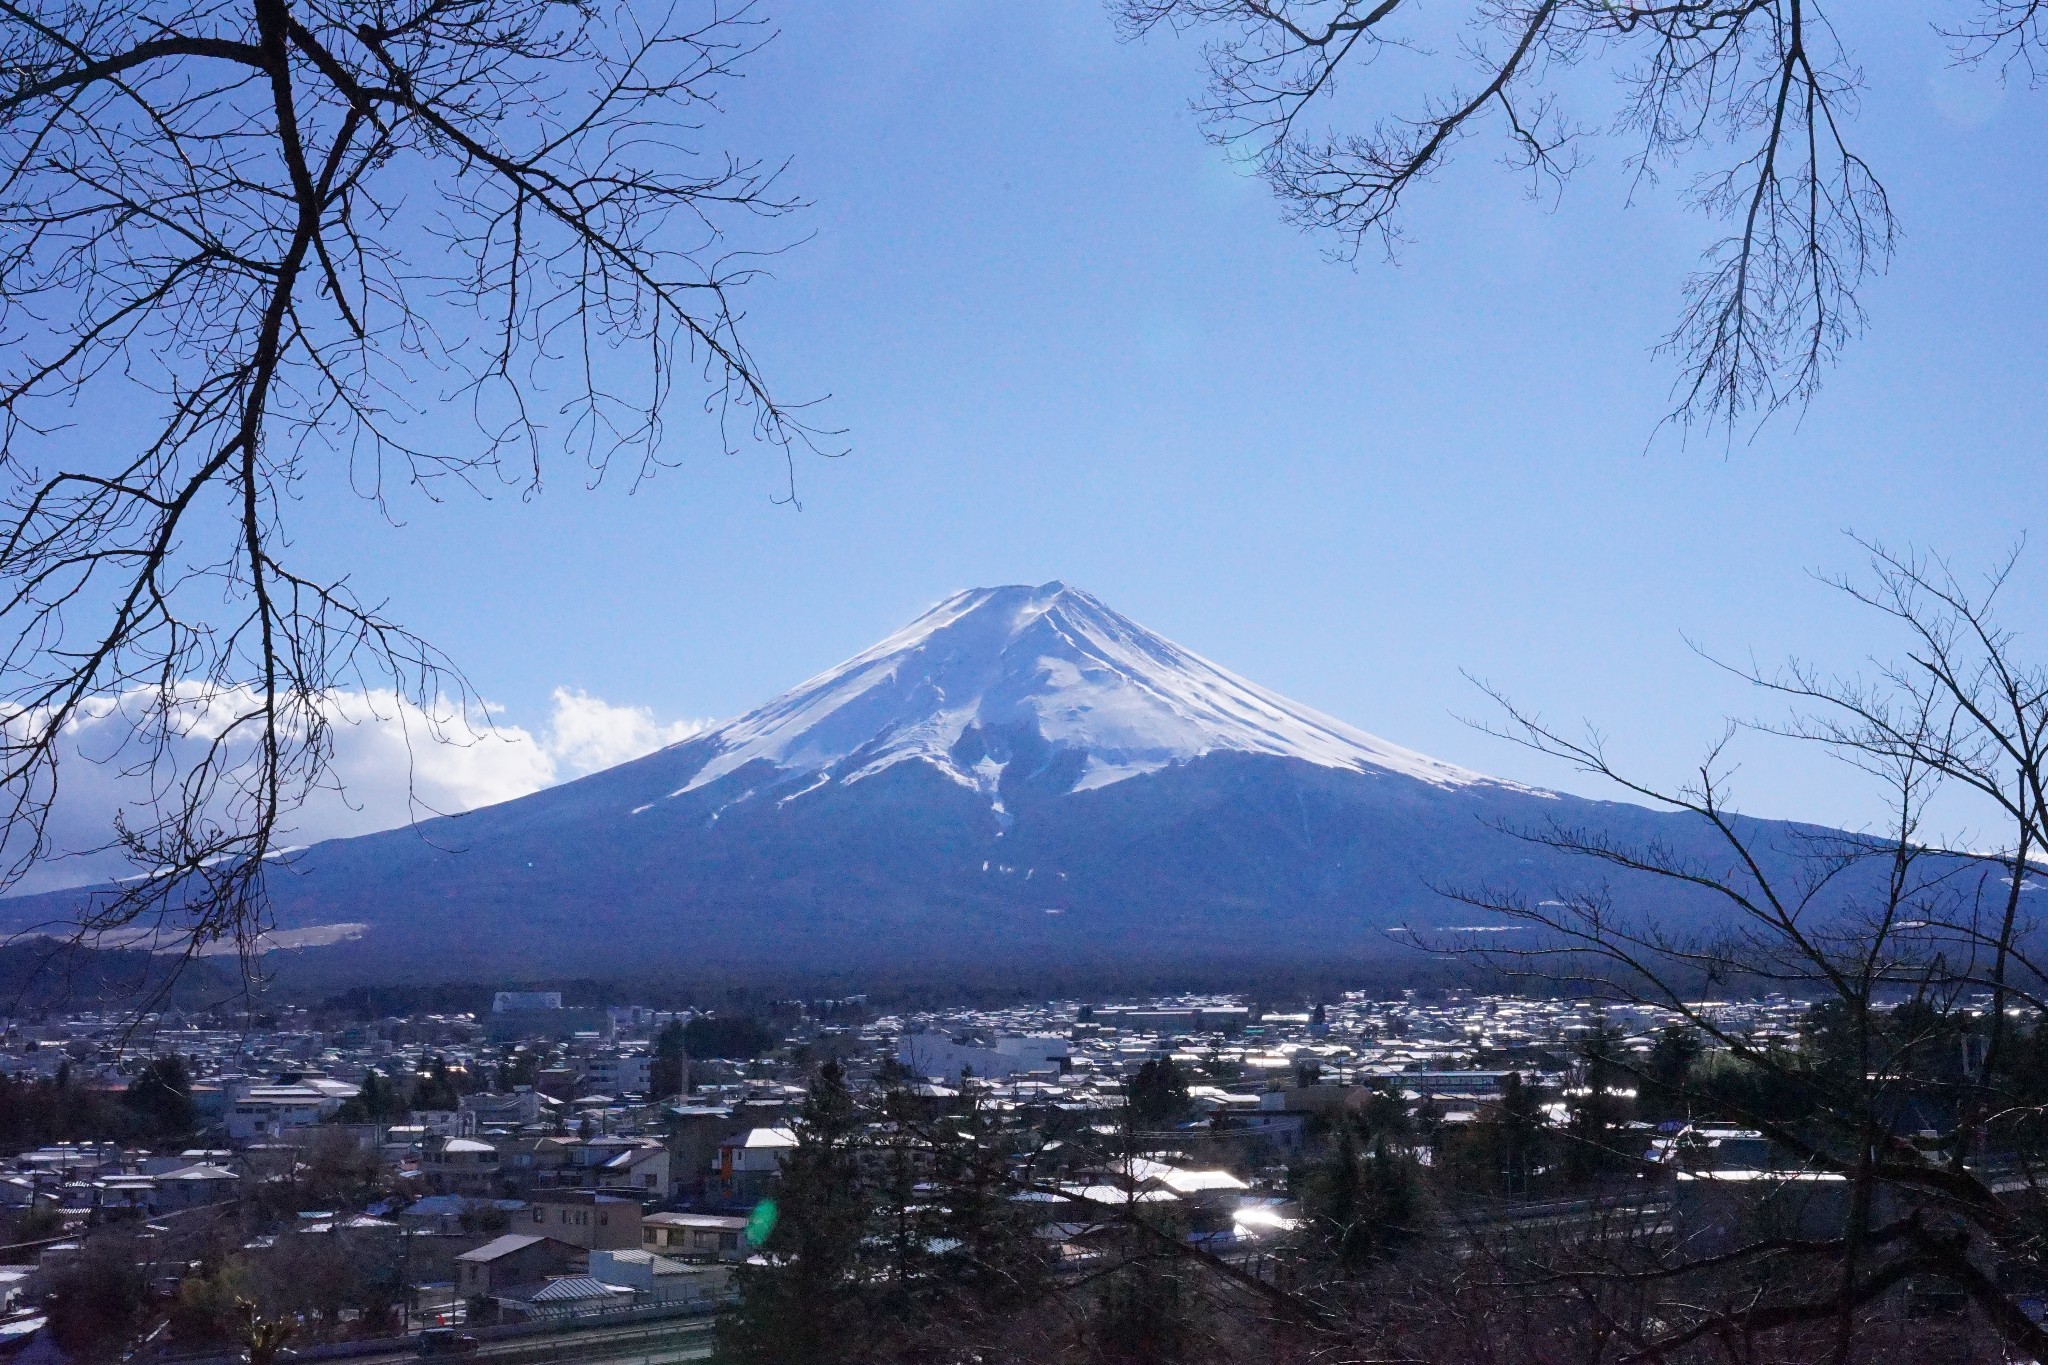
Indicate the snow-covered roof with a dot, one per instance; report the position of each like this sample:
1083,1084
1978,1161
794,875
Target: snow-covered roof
573,1289
501,1246
1194,1182
702,1222
655,1263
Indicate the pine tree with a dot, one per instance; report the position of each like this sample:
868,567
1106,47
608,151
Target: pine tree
1667,1073
805,1306
1157,1094
1598,1109
992,1260
1361,1200
161,1097
671,1061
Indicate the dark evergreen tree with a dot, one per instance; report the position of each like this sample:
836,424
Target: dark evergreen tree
160,1095
1360,1201
436,1089
1520,1124
1597,1108
989,1259
671,1061
1157,1094
1146,1312
807,1306
1665,1092
731,1037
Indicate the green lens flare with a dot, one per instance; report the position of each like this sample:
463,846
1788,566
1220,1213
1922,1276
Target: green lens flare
761,1222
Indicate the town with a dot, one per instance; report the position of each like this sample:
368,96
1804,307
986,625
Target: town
542,1168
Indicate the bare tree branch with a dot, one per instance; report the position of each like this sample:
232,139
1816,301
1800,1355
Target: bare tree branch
275,240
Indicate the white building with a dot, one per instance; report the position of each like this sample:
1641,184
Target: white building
944,1056
751,1157
621,1073
657,1279
262,1113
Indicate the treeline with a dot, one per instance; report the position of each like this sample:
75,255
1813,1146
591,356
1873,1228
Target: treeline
44,975
156,1107
388,1097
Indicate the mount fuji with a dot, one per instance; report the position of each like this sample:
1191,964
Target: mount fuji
1019,783
1046,676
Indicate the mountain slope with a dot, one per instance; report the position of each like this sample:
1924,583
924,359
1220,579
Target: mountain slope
1020,781
985,670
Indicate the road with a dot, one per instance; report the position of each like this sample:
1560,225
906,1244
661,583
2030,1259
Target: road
643,1343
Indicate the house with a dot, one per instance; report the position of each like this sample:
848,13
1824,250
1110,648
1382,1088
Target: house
642,1168
747,1161
460,1165
522,1106
525,1162
695,1236
132,1193
695,1130
447,1123
586,1218
513,1259
195,1185
657,1279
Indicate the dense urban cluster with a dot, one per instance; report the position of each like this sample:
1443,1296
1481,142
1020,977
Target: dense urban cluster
825,1171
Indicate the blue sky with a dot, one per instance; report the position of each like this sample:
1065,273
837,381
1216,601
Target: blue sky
1067,339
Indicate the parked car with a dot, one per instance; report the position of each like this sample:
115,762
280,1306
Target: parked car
446,1341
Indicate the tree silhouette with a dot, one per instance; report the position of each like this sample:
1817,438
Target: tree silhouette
267,244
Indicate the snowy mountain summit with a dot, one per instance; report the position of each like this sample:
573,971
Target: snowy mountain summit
1045,677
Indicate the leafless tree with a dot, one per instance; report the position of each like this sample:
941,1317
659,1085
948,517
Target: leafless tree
1753,100
1918,956
250,248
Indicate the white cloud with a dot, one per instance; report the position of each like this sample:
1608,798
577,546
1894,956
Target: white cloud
393,763
589,733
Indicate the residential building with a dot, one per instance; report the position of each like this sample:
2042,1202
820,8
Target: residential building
514,1110
460,1165
514,1259
657,1279
264,1113
586,1218
628,1073
749,1160
695,1236
195,1186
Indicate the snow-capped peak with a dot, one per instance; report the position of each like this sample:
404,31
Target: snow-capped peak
1051,660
